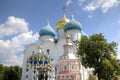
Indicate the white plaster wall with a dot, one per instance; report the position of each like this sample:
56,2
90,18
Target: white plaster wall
60,34
75,34
51,47
60,48
47,42
56,50
44,39
27,53
85,74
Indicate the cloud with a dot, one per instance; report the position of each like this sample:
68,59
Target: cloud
68,2
9,49
90,16
118,21
104,5
13,26
81,2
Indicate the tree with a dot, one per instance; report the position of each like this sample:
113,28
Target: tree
12,73
1,71
97,53
18,71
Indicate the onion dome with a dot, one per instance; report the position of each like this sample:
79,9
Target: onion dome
73,25
61,23
39,47
47,30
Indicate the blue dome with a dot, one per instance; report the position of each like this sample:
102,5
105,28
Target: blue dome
73,24
47,30
55,40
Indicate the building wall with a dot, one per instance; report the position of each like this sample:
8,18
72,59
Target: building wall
74,69
60,49
32,48
68,69
61,34
75,34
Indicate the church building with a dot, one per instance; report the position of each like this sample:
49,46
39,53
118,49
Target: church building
57,51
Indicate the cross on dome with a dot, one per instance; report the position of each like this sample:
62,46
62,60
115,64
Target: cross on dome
64,11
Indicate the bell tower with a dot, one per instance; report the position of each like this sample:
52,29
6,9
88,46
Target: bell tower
69,68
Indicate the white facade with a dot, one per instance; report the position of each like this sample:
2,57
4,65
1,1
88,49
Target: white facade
32,48
54,49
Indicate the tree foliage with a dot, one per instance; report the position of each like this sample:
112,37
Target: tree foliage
97,53
10,73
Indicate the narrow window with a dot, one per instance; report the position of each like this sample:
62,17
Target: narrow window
65,67
55,69
33,52
48,51
71,37
72,67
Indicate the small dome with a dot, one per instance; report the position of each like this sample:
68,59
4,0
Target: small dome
73,24
55,40
47,30
62,22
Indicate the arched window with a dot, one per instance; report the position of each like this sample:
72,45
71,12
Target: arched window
71,37
48,51
65,67
55,69
72,66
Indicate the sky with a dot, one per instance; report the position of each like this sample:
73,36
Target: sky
21,21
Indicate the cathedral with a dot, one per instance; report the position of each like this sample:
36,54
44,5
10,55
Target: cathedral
55,57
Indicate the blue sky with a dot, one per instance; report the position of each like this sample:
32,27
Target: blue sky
21,20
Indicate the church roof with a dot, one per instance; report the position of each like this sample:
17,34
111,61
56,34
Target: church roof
47,30
62,22
73,25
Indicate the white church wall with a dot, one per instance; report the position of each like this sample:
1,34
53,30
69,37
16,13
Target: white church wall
60,34
75,34
50,47
56,51
60,48
27,53
46,38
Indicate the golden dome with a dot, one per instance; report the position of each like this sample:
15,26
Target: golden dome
62,22
39,47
